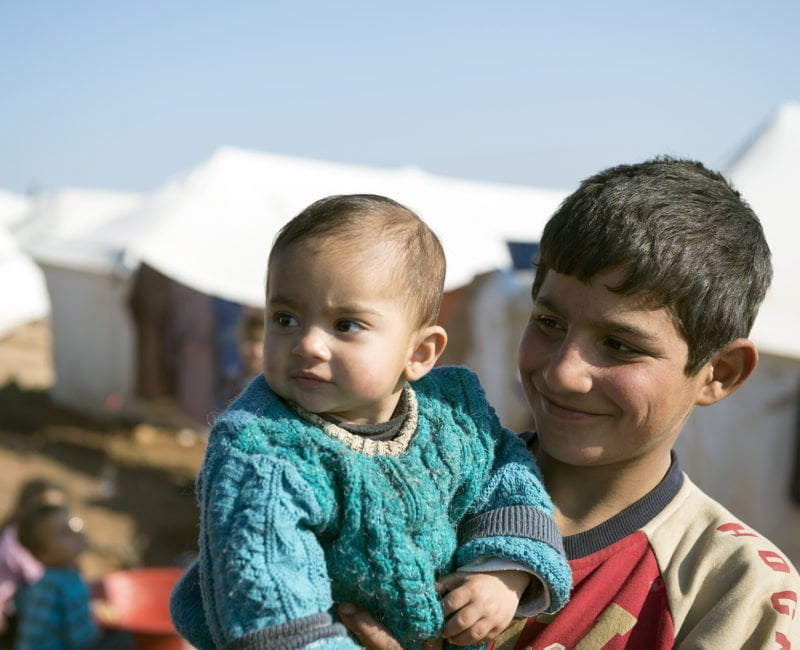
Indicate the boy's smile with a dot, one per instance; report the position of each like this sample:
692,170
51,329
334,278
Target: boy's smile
604,374
339,332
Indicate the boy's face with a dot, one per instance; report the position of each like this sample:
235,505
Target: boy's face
339,332
62,539
604,374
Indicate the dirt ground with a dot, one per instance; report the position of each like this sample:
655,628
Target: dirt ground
131,482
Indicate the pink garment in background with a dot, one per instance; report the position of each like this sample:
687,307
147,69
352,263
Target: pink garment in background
17,565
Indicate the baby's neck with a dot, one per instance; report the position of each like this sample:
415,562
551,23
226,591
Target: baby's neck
378,431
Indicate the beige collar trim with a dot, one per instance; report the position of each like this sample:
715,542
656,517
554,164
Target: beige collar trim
361,444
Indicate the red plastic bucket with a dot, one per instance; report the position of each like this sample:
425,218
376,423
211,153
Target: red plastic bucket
138,602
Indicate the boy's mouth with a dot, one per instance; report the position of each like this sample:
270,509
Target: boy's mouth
563,410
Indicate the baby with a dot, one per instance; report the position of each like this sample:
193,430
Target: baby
352,470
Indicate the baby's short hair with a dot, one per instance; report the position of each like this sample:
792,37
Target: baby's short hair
684,237
358,219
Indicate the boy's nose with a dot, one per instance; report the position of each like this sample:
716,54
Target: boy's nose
312,344
569,369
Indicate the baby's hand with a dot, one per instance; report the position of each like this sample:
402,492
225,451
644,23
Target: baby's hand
479,606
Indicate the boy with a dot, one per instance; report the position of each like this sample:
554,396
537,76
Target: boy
650,279
343,472
54,612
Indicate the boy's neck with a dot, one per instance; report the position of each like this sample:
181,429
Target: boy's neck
585,497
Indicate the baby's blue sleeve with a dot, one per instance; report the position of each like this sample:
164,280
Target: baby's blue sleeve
512,516
262,572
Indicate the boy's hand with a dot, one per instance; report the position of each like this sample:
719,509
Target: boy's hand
479,606
371,634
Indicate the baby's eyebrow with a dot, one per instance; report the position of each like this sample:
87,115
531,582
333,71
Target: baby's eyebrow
281,300
355,309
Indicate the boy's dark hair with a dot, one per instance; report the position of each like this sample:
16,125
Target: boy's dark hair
685,238
29,526
356,218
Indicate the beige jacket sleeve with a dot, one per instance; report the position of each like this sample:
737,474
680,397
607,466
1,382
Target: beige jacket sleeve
728,586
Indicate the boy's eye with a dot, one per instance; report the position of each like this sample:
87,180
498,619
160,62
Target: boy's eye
282,319
620,346
347,326
547,323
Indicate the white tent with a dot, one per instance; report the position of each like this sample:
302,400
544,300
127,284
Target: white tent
92,334
58,228
22,285
13,208
767,173
211,229
742,450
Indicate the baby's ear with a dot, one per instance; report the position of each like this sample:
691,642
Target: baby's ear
728,370
430,343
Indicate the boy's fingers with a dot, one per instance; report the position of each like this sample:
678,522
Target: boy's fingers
371,634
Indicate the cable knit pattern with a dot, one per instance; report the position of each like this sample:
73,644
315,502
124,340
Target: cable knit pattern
294,519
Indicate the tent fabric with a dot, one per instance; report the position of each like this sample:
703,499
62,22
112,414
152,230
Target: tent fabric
60,227
13,208
21,282
767,173
93,340
22,286
86,298
211,228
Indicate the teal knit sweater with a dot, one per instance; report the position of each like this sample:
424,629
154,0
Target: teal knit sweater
297,514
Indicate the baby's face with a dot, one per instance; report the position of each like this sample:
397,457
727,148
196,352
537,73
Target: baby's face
339,332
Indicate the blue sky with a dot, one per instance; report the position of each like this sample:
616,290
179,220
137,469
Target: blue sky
124,94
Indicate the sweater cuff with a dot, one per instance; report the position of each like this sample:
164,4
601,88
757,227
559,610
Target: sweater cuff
513,521
292,634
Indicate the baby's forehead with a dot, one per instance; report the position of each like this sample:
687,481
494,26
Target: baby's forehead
362,255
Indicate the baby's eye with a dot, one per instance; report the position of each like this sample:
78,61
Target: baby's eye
348,326
282,319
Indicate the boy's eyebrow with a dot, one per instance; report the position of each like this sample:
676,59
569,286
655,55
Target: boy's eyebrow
625,329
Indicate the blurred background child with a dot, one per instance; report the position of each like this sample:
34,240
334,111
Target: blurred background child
17,565
54,612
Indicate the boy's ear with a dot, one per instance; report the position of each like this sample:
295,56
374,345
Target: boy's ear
728,370
430,344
